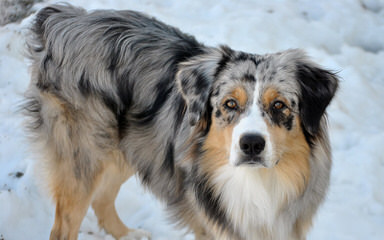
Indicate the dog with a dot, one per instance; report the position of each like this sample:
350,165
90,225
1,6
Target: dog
235,144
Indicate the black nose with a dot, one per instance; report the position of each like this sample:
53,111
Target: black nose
252,144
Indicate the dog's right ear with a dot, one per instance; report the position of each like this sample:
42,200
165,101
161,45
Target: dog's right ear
195,78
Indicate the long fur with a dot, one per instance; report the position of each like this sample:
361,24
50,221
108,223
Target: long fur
115,93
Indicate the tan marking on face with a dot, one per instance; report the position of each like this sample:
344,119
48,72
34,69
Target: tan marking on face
240,95
217,147
293,168
271,95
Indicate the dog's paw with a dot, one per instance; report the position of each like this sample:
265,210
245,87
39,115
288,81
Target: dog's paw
137,234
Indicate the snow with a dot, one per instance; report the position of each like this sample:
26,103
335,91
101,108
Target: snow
346,36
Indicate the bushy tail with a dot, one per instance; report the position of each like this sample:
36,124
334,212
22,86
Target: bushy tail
45,21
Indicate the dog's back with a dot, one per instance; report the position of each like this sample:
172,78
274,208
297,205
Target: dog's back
109,54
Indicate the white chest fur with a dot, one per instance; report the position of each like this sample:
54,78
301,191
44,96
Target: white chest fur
254,201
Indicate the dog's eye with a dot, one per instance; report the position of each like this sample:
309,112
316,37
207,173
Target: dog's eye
231,104
278,105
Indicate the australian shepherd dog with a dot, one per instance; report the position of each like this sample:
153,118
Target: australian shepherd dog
235,144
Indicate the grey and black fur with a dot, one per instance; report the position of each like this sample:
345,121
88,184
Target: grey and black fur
115,93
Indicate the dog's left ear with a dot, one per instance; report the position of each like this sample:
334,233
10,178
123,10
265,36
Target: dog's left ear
195,78
318,86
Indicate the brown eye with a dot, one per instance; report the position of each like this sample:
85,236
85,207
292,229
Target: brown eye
278,105
231,104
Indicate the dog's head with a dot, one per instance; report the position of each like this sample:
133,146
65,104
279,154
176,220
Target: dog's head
261,107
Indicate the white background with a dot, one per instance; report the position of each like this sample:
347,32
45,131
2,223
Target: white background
343,35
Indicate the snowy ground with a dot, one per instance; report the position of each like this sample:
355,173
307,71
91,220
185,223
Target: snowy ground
343,35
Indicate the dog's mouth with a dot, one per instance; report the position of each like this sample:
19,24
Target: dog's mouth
255,161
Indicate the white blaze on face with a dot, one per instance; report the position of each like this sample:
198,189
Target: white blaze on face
252,122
